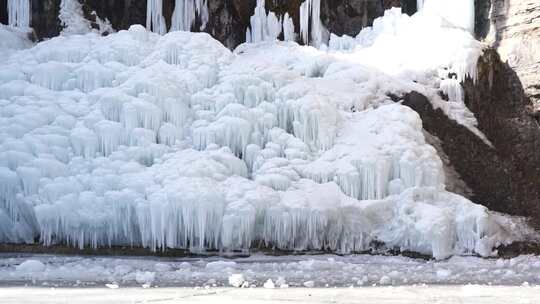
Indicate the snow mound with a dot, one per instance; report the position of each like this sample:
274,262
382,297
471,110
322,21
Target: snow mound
31,266
175,142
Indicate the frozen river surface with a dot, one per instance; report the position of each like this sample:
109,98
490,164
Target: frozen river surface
407,294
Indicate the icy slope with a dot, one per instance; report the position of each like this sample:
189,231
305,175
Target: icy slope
175,142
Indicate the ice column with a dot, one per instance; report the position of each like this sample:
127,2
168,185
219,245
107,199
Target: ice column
288,28
155,21
19,13
186,12
311,9
263,27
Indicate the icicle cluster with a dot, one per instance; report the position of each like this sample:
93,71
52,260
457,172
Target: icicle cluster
267,27
310,10
155,21
186,12
19,13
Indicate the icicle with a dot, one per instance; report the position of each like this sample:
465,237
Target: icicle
19,13
155,21
263,27
304,21
311,9
186,12
288,28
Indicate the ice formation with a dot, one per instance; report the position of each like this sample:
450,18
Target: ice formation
19,13
186,12
312,33
263,27
174,141
288,28
155,21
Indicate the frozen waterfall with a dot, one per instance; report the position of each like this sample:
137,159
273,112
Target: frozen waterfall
174,141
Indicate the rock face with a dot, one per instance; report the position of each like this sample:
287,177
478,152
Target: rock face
505,176
513,29
504,112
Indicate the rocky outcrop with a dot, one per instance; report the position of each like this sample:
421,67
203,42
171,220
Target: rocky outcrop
513,29
504,176
504,113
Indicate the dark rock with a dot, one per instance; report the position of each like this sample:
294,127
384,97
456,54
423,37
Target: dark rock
45,20
3,12
504,177
502,109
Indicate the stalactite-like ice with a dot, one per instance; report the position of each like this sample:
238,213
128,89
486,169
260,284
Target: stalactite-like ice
186,12
289,33
19,13
173,141
311,33
155,21
263,27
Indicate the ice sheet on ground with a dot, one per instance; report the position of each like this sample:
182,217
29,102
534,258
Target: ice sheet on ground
293,271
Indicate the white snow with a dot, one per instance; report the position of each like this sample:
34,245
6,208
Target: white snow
19,14
173,141
459,13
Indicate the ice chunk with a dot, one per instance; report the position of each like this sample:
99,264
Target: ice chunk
236,280
31,266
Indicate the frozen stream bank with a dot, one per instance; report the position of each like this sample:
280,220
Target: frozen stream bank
287,271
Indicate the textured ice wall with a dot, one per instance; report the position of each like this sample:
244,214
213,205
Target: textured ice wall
175,142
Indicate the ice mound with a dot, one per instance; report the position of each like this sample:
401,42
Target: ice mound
175,142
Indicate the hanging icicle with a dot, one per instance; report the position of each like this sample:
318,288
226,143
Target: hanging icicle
311,9
186,12
155,21
19,13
